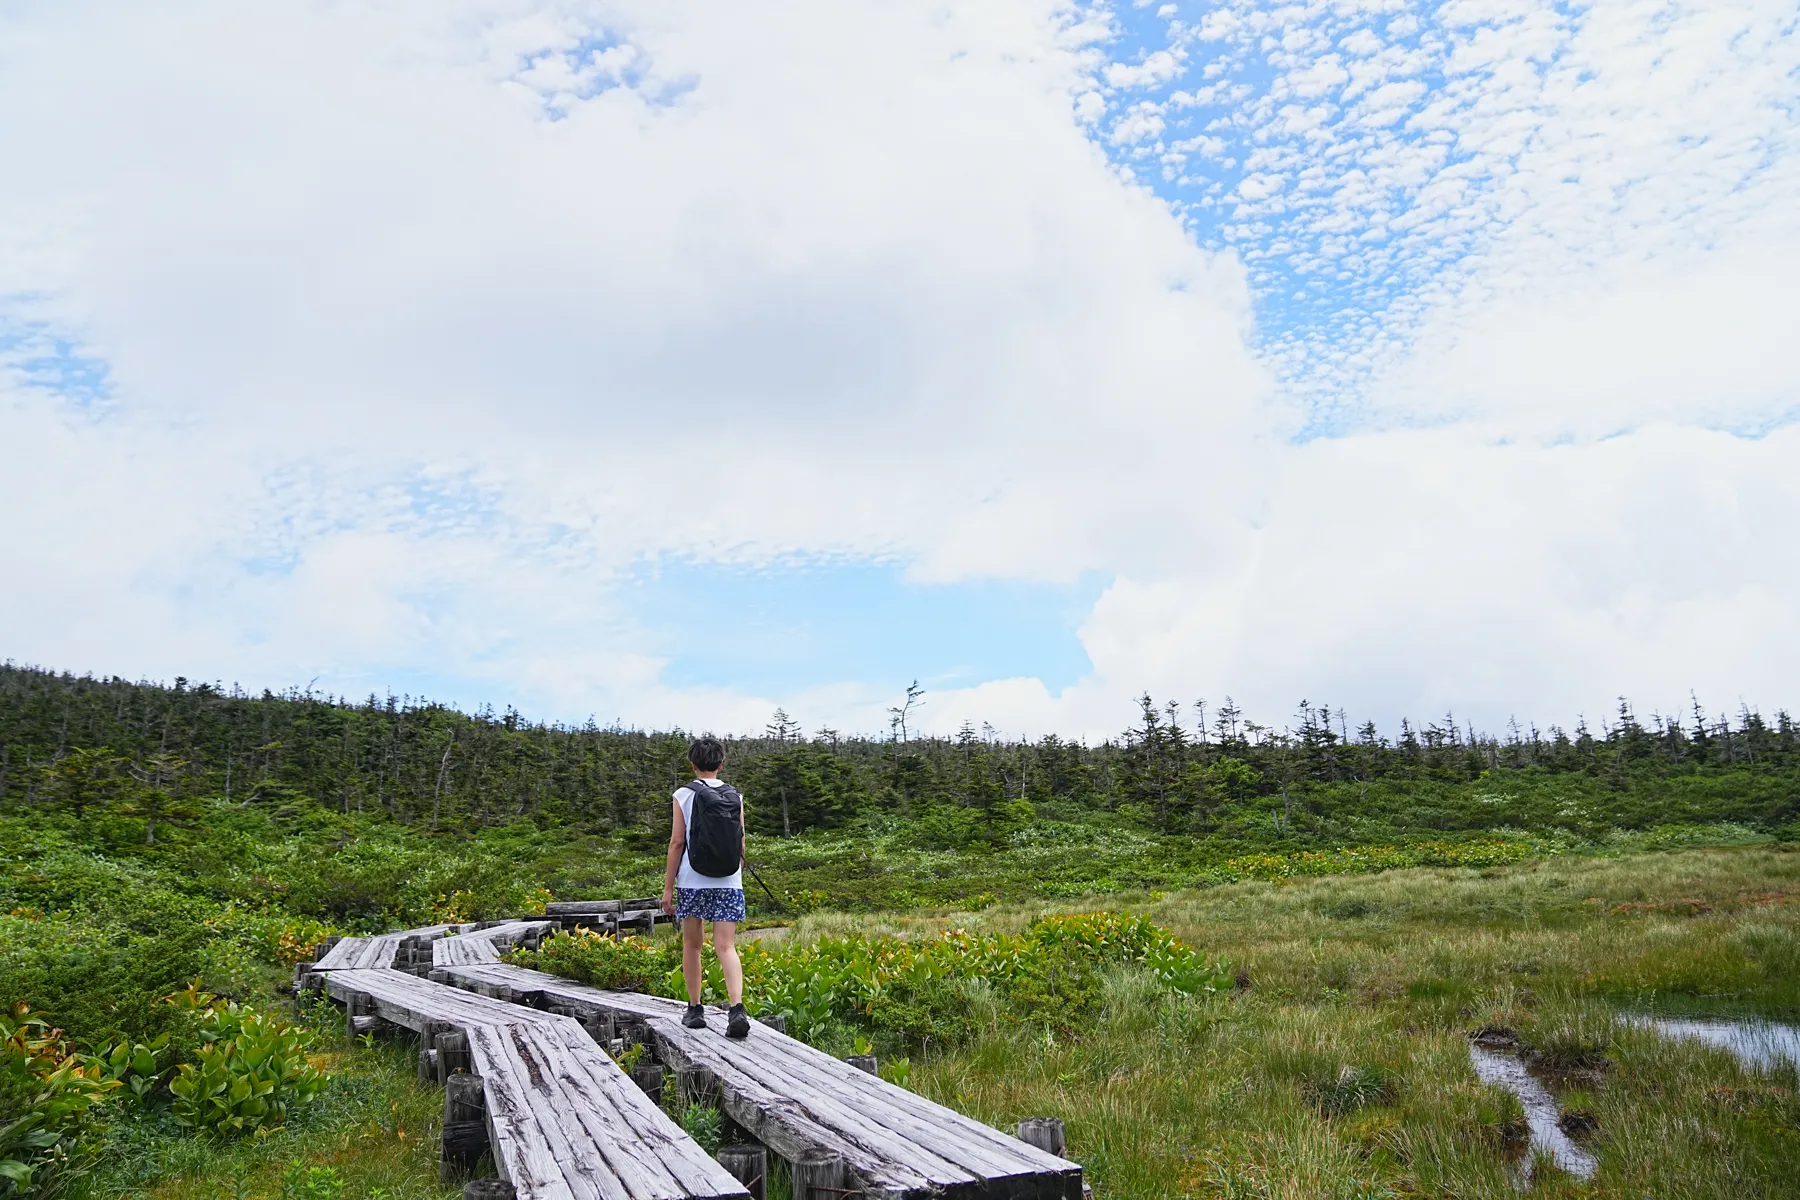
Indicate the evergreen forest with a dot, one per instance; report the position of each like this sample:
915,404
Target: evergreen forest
137,756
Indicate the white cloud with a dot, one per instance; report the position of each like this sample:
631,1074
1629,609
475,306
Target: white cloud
1159,67
418,317
1409,574
332,255
1143,123
1512,148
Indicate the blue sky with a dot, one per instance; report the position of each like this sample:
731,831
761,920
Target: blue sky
795,627
1366,351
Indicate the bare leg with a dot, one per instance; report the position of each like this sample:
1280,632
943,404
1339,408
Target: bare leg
725,946
692,938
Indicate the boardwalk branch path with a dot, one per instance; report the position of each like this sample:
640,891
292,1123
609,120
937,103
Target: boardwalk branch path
562,1120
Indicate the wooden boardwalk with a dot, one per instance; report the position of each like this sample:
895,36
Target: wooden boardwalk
480,945
559,1117
561,1120
378,952
795,1099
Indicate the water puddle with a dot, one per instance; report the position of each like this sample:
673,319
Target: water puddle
1541,1114
1758,1045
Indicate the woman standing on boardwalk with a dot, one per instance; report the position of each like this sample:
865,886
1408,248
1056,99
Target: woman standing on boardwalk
704,880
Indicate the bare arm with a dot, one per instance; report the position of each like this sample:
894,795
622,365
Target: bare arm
677,843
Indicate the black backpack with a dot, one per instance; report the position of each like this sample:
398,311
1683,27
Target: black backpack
715,833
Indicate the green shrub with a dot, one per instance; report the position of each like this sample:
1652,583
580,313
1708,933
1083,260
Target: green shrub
131,1065
704,1123
98,979
301,1182
251,1070
631,964
45,1090
914,992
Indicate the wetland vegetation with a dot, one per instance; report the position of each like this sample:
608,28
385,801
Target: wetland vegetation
1306,927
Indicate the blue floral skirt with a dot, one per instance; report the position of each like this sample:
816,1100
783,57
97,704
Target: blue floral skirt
710,904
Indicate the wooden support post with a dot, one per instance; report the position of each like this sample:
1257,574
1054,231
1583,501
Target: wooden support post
452,1054
465,1098
863,1062
464,1142
777,1022
356,1006
749,1165
465,1137
357,1025
696,1085
1046,1133
600,1027
428,1068
488,1189
649,1076
819,1175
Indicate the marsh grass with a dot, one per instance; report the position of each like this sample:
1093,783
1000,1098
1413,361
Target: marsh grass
1343,1069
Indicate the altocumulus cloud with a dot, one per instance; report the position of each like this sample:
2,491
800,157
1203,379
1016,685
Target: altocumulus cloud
341,340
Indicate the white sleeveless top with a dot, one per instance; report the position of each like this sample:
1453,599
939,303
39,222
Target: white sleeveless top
687,877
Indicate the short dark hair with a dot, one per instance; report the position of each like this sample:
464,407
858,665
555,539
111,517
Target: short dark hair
706,753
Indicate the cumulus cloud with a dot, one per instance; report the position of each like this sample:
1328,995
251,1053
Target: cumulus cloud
1497,152
412,317
1377,356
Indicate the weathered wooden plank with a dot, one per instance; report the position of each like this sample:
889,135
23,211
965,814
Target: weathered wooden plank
764,1045
615,1166
520,1151
485,945
364,953
534,1119
796,1098
691,1170
415,1003
863,1131
888,1121
581,907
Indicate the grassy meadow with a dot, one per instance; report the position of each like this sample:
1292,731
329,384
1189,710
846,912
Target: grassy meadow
1342,1069
1332,1062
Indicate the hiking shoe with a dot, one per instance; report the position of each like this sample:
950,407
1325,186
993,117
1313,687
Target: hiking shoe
739,1024
695,1018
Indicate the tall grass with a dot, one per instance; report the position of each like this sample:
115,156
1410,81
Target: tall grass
1342,1070
1339,1069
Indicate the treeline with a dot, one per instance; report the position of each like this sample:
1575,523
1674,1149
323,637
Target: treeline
144,753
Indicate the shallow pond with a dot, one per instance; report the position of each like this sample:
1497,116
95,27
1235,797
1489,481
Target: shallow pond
1758,1045
1541,1113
